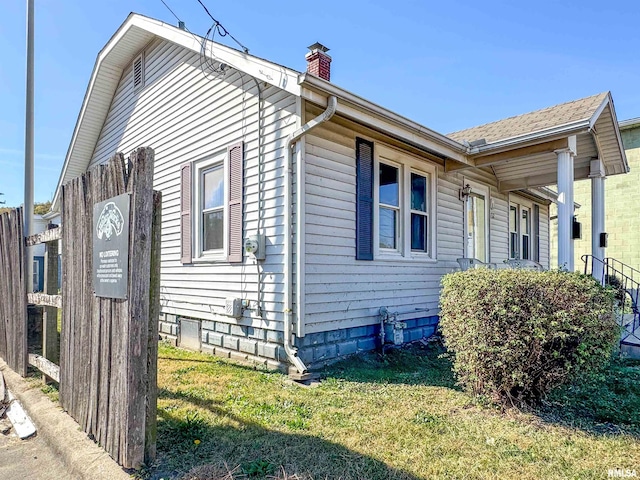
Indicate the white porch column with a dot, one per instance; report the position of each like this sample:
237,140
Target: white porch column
565,204
597,175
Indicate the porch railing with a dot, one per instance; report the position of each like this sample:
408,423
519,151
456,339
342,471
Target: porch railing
626,280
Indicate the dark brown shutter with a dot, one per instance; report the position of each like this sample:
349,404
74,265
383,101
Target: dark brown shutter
236,170
364,199
185,213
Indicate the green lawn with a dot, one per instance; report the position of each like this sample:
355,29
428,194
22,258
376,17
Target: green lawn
397,418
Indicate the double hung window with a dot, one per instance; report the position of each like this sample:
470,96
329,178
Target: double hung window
395,196
211,211
212,207
523,231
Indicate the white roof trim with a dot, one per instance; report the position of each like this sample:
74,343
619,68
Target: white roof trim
630,123
436,142
263,70
616,128
557,131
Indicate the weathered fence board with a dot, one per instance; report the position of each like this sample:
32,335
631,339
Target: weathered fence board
13,292
47,367
108,356
43,237
50,338
45,300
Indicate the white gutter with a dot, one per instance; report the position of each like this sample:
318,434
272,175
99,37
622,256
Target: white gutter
289,348
448,147
560,131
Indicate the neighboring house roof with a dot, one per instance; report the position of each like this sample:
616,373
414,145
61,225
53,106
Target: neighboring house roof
540,120
629,124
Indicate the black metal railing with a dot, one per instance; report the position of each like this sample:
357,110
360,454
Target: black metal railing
626,281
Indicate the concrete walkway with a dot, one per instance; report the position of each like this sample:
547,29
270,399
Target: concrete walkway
30,459
60,450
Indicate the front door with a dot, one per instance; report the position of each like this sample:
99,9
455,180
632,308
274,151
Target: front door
520,231
476,224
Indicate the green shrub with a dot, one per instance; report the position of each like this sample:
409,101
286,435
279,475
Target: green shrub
514,334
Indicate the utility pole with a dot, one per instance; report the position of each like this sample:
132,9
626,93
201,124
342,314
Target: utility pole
29,145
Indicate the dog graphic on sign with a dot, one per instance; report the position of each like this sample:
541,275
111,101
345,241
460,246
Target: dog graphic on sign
110,222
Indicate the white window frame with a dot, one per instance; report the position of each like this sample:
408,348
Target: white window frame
485,191
200,167
399,209
407,164
521,204
427,213
36,275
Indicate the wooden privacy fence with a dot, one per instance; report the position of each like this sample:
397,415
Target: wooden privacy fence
13,301
51,301
108,346
109,338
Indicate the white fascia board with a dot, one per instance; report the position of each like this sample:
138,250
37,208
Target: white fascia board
368,113
262,70
543,193
629,124
599,110
565,130
616,129
85,104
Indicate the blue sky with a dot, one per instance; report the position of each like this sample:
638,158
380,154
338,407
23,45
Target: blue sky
448,65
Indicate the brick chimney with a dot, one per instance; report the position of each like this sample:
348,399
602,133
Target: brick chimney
318,62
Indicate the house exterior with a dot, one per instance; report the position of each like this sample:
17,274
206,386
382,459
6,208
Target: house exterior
39,225
622,222
300,221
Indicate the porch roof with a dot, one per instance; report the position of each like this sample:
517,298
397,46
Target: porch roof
521,150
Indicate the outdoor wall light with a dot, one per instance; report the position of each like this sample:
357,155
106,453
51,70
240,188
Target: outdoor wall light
464,192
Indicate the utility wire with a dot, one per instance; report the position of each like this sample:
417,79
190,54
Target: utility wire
172,12
204,60
220,28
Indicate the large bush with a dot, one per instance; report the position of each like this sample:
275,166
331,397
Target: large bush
514,334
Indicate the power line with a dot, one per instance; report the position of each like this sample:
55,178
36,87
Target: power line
206,61
172,12
220,28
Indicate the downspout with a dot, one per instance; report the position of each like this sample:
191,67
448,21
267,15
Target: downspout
289,348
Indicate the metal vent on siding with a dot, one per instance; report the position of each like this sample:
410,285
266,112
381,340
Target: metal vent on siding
138,72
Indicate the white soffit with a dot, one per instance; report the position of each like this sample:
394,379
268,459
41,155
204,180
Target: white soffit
133,35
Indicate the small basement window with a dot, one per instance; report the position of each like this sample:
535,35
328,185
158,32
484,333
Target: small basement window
138,72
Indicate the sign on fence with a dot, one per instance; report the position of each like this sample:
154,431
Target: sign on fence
109,344
111,247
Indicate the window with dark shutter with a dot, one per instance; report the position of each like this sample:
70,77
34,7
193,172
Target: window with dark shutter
236,171
185,214
364,199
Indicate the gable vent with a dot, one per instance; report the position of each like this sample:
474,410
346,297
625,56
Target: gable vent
138,72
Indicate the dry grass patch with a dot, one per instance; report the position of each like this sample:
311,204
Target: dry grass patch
401,417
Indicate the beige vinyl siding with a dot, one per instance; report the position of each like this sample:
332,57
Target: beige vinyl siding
341,291
545,253
186,116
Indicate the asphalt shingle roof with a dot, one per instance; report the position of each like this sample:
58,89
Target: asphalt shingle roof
581,109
